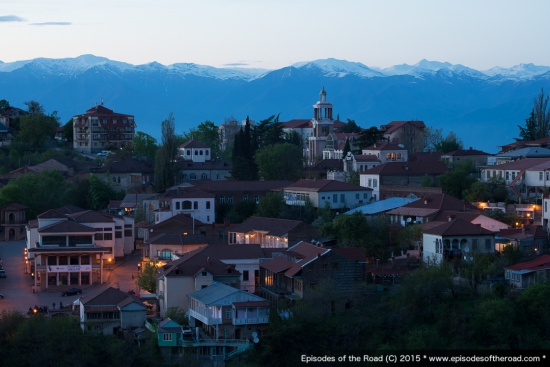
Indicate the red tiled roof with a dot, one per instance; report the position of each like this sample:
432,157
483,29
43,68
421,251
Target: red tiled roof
103,113
90,216
297,123
366,158
457,227
520,164
51,214
277,264
540,263
66,226
408,168
325,185
273,226
193,143
395,125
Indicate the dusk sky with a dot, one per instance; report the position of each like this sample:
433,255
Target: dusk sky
274,34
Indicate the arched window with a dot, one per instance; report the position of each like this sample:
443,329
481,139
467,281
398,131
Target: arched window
186,205
164,255
204,176
188,152
196,152
193,176
200,152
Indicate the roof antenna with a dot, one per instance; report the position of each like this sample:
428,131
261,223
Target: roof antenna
102,101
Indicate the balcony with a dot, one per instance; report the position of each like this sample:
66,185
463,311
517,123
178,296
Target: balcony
250,321
205,319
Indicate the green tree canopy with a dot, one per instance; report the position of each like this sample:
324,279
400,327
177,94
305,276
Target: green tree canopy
280,162
68,131
493,190
449,144
144,145
369,137
206,132
537,125
457,181
164,158
36,128
147,278
271,205
350,127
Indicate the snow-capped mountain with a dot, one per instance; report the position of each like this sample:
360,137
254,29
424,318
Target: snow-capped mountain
339,68
483,108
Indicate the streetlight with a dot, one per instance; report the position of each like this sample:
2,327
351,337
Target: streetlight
109,260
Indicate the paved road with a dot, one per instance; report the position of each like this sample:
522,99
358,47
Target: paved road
17,286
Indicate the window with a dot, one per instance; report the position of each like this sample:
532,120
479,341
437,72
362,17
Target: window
222,199
398,155
256,199
334,266
232,237
365,196
208,205
334,198
342,198
206,152
80,240
193,176
188,152
63,260
228,313
230,200
196,152
177,205
200,152
245,276
540,176
475,243
357,196
507,175
513,175
312,286
85,260
375,183
52,260
167,337
127,233
195,205
547,176
114,179
204,176
487,244
369,184
545,206
98,237
245,197
325,266
204,273
186,205
208,218
310,267
108,236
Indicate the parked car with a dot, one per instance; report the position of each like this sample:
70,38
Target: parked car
71,292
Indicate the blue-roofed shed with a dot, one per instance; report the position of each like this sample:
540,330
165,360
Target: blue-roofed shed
382,206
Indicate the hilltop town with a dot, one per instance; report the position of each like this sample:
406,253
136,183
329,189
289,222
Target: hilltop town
262,241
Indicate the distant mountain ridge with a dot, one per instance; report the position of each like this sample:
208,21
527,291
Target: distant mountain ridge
482,107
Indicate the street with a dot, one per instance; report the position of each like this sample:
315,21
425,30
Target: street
17,286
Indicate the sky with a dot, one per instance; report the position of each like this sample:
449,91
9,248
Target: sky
272,34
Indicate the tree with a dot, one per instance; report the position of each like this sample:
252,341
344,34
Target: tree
427,181
294,137
178,315
244,147
280,162
324,215
353,177
206,132
34,108
369,137
350,127
147,278
347,148
164,158
458,181
409,236
4,105
271,205
68,131
269,132
101,193
537,126
493,190
512,219
432,136
144,145
449,144
349,230
36,128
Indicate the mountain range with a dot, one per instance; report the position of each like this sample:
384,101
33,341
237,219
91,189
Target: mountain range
483,107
